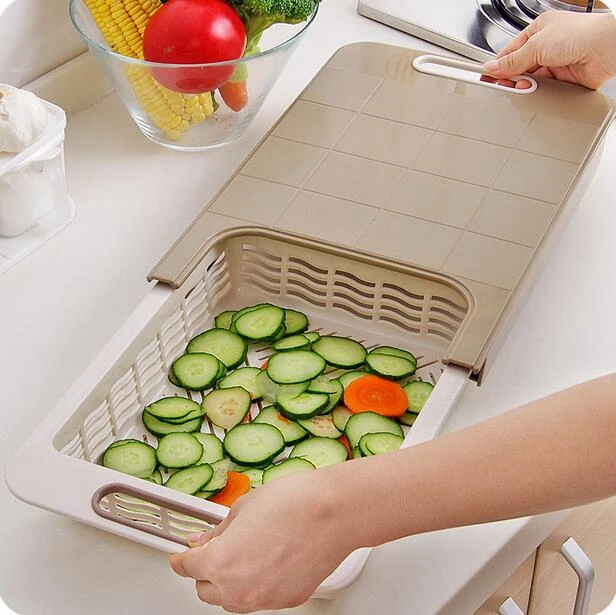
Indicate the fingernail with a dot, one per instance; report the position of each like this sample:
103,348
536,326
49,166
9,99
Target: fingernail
491,66
194,540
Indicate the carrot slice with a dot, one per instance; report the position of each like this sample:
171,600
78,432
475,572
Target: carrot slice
237,485
375,394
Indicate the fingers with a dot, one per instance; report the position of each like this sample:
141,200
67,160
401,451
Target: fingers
192,563
198,540
208,592
516,63
518,56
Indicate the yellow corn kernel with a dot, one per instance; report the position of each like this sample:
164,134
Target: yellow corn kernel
122,23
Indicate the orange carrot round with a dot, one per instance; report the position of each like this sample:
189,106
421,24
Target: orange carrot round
237,485
375,394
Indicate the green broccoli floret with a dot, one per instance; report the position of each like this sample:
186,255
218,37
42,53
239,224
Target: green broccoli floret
258,15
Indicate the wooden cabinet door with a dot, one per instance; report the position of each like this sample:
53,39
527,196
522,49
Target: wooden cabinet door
555,583
517,586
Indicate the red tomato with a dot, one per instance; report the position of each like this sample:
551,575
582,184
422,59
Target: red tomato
194,32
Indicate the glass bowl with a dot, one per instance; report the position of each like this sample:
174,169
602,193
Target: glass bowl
183,120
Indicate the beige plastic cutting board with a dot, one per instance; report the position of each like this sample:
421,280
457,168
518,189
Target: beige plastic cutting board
447,175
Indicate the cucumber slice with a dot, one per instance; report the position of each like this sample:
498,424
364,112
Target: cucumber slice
389,366
379,443
160,428
227,407
395,352
320,452
229,347
196,371
219,478
178,450
245,377
270,389
290,430
340,351
243,311
408,418
340,416
124,441
205,495
312,336
255,475
294,366
222,371
332,387
212,448
191,480
293,342
195,414
262,323
130,457
253,444
155,477
286,467
369,422
304,406
295,322
321,425
281,333
223,320
323,384
417,392
347,378
171,408
173,379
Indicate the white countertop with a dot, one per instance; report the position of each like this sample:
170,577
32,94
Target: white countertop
61,305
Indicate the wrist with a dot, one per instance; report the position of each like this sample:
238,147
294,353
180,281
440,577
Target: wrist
369,499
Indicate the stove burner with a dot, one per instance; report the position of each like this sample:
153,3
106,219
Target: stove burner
530,7
580,6
512,14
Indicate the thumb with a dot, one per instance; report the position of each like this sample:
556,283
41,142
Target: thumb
198,540
513,64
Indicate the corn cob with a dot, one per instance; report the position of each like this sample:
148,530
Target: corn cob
122,23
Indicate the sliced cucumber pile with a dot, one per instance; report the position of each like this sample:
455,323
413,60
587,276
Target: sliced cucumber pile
306,419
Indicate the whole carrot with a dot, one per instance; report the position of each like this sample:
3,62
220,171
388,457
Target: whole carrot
234,94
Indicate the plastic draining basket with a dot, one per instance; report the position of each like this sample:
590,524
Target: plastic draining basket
343,292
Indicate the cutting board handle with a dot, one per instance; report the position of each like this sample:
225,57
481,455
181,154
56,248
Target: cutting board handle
463,70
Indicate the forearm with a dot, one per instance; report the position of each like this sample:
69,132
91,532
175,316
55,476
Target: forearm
551,454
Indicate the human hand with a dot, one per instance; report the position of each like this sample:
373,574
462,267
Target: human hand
273,549
574,47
